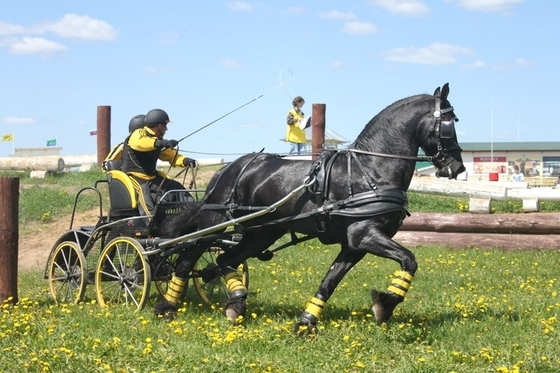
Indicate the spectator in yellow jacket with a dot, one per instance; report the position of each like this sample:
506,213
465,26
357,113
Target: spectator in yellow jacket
294,134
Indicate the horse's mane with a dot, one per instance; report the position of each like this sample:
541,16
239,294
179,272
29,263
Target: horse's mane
384,123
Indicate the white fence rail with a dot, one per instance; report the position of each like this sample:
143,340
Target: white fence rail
41,165
482,192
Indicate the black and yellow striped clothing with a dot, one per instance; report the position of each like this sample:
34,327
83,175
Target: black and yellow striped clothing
140,155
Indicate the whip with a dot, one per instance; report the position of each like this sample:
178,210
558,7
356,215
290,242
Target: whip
245,104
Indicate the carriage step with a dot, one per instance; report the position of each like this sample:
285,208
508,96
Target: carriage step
87,228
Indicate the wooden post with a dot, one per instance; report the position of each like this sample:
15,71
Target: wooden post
103,133
317,129
9,235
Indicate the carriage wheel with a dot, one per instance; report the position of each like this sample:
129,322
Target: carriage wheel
163,275
122,275
67,273
210,285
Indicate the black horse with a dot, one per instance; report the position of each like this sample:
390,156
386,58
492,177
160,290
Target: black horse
355,197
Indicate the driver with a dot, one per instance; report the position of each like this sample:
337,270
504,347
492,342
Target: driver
141,151
115,154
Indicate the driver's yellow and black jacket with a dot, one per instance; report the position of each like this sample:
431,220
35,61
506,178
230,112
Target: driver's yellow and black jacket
140,155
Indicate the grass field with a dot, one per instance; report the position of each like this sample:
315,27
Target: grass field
467,311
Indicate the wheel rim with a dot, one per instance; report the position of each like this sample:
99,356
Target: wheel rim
122,275
210,285
67,273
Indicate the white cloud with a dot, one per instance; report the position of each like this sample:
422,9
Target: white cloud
476,65
82,27
434,54
230,64
410,8
334,14
31,45
522,62
488,5
10,29
21,121
336,65
359,28
239,6
70,26
501,66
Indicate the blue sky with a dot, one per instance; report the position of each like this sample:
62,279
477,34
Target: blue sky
200,60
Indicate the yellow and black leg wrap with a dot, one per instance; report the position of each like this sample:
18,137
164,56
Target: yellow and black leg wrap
401,283
315,306
235,286
175,289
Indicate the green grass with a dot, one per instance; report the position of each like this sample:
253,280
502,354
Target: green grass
467,311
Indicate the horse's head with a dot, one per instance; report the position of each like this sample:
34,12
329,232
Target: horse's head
440,140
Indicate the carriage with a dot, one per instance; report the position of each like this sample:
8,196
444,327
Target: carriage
122,254
355,197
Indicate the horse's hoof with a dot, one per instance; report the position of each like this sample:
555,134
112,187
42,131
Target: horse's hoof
231,315
383,305
235,307
307,325
165,310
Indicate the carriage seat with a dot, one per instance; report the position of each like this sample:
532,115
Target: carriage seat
122,195
112,164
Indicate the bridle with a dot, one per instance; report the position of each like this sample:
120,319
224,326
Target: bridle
443,129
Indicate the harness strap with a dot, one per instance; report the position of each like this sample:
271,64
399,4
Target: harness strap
368,178
234,189
349,170
362,204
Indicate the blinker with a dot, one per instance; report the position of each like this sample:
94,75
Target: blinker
447,129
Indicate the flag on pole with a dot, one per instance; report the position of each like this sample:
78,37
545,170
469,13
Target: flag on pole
93,133
51,142
8,137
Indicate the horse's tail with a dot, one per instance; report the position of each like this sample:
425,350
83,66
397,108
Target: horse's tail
184,222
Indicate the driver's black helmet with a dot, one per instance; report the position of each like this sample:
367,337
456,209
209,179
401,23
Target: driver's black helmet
136,122
156,116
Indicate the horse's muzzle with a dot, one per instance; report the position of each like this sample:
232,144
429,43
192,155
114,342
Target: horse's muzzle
450,172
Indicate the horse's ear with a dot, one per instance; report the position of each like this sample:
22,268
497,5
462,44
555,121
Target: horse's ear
445,91
437,92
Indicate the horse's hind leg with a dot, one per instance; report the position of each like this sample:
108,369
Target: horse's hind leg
167,307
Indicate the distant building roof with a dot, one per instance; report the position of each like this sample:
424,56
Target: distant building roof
509,146
331,137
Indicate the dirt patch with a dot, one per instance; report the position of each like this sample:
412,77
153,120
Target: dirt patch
37,240
34,248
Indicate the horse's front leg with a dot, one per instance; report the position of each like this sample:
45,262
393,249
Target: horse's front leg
376,242
346,259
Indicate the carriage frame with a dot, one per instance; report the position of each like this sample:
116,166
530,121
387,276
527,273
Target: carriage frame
121,257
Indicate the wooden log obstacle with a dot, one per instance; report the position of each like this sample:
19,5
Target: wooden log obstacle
536,231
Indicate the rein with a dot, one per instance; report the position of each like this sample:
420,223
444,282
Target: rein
428,158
